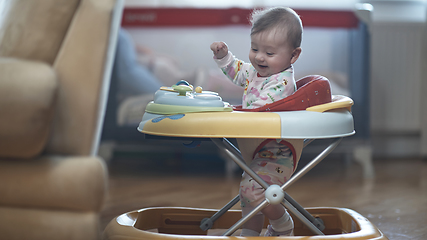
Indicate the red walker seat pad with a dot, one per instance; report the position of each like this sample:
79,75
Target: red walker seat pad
311,90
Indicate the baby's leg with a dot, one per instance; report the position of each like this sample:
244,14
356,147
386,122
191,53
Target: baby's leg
275,163
253,226
280,221
251,194
274,212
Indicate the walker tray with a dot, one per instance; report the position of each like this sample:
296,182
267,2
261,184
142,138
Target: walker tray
179,112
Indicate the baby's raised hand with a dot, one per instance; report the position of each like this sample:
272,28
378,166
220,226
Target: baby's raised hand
219,49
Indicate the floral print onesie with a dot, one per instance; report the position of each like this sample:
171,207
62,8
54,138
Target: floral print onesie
273,160
258,90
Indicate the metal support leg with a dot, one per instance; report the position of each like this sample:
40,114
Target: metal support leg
316,221
312,164
230,150
264,203
315,225
207,223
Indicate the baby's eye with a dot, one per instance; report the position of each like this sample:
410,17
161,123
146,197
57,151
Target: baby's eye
254,50
270,54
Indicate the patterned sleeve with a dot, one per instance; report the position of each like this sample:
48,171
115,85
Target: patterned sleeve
236,70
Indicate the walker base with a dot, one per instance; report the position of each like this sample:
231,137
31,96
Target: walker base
184,223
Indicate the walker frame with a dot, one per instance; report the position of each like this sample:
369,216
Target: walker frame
318,118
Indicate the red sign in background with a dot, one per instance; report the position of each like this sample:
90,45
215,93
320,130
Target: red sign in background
197,17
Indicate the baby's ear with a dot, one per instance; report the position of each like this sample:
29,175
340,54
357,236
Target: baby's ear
295,54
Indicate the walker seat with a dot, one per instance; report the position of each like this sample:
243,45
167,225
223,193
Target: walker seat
311,91
310,113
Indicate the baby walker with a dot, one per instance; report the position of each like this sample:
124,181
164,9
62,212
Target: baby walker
183,112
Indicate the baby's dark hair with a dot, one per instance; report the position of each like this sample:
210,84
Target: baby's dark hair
280,17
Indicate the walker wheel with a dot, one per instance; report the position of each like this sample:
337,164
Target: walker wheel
274,194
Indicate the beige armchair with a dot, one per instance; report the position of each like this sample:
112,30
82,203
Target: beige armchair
55,64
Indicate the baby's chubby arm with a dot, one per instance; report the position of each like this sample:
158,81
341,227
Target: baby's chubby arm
219,49
232,67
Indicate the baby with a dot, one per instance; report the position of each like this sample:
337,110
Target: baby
276,36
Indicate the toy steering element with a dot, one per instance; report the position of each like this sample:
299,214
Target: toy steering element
182,89
274,194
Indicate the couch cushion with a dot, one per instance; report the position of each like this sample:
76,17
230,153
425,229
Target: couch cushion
33,224
27,94
54,182
45,22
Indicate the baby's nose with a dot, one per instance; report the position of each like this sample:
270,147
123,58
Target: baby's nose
259,57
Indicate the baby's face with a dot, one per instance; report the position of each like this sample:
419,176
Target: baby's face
270,52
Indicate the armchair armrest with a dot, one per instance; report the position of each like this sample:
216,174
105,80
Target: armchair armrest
27,96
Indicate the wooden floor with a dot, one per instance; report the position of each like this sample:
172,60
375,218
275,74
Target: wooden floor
395,200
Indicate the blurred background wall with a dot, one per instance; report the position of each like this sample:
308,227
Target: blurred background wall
394,97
